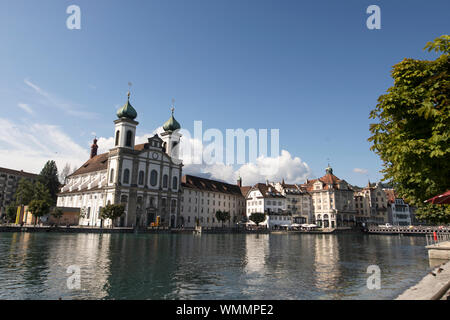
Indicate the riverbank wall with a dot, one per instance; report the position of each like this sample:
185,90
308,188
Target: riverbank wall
81,229
434,286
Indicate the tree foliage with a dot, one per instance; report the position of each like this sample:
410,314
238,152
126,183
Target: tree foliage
257,217
57,213
112,211
222,216
39,208
66,171
412,132
24,192
40,192
49,178
11,212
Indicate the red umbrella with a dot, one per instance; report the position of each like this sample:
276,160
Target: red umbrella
440,199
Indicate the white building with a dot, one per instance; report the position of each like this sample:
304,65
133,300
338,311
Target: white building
265,198
145,177
333,201
399,212
202,198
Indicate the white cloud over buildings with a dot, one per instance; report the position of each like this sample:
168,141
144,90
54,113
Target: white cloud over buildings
28,146
361,171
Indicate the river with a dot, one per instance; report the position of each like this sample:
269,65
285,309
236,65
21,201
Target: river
207,266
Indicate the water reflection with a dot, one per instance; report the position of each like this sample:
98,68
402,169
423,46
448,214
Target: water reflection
222,266
326,266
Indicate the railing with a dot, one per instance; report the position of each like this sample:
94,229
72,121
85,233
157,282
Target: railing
435,239
407,230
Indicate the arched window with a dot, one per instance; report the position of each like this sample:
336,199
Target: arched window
117,137
111,176
129,137
165,180
175,183
141,177
124,199
126,176
173,205
154,178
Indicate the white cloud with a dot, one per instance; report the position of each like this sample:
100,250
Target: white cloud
361,171
285,166
25,107
291,169
27,147
51,100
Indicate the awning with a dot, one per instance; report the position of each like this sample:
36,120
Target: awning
440,199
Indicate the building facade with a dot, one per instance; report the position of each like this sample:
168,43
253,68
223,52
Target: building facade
202,198
265,198
399,212
145,178
298,202
371,205
9,181
333,201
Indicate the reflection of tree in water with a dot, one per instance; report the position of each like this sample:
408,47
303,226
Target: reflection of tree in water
140,266
32,252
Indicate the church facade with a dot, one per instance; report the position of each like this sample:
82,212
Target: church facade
145,178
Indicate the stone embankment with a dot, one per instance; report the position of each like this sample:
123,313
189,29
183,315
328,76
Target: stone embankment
434,286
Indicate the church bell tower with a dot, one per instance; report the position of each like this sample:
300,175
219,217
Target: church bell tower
125,126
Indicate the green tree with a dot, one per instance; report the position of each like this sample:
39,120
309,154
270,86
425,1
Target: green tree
49,178
222,216
11,212
112,211
38,208
24,192
40,192
257,217
57,213
412,133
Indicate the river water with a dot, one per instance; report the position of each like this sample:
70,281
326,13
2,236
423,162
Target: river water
207,266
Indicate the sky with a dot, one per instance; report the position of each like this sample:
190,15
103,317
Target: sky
311,69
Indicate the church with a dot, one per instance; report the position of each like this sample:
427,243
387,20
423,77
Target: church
145,178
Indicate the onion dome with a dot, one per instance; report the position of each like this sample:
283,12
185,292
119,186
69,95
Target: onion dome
127,110
171,124
329,170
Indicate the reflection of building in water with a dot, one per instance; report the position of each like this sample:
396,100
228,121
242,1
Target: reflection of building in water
256,253
327,272
89,252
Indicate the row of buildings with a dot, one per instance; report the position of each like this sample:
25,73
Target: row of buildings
147,178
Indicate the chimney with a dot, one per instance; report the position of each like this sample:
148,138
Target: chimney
239,182
94,148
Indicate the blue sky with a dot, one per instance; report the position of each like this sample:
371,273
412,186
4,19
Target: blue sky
309,68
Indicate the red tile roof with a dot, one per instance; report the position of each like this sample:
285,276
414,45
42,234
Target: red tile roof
329,180
264,189
194,182
97,163
245,190
100,162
